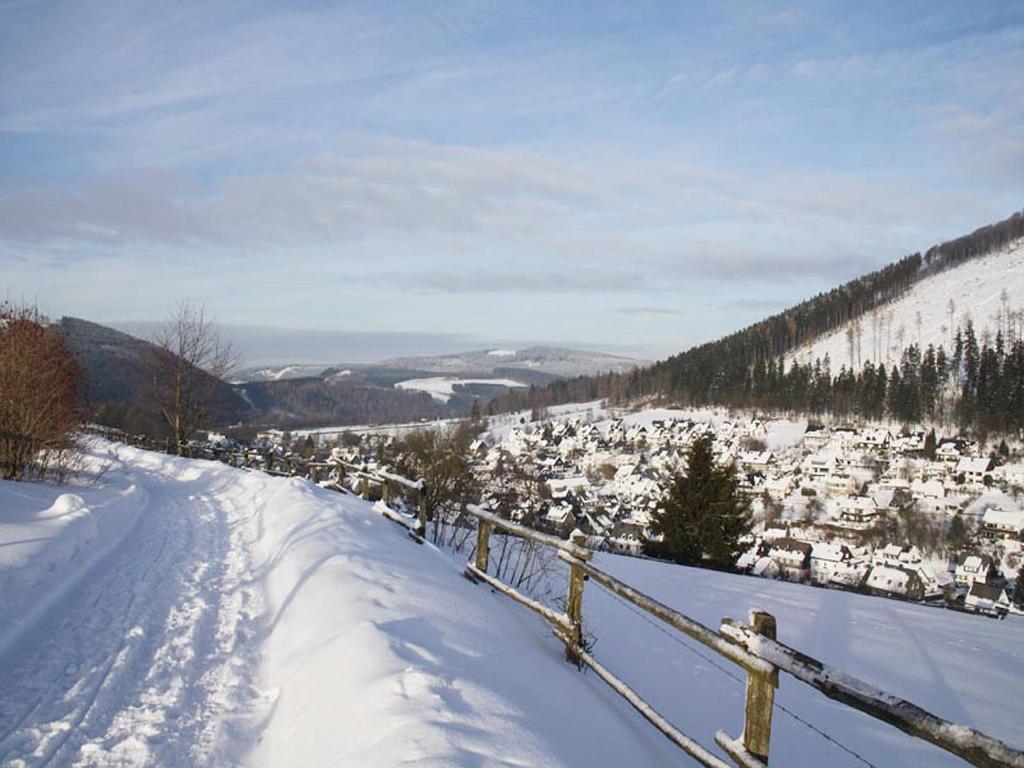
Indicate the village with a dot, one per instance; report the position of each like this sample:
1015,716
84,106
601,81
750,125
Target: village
907,516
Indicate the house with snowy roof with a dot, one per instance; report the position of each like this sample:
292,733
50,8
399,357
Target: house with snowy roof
858,511
780,486
971,569
875,439
999,523
893,581
792,557
949,451
756,461
987,599
827,560
974,469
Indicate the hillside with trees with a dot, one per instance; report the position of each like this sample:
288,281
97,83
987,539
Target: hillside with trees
748,368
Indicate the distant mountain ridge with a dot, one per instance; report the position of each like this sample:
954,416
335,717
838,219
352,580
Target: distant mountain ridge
532,365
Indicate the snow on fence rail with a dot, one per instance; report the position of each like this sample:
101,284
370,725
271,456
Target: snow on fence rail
751,646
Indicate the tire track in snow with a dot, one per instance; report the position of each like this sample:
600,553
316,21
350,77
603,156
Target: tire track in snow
139,664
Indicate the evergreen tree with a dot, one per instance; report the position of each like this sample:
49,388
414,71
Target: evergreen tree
1018,590
930,443
701,519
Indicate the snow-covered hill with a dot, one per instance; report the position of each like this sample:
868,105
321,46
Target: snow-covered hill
922,316
181,613
554,361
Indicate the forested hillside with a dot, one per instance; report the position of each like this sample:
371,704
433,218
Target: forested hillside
747,368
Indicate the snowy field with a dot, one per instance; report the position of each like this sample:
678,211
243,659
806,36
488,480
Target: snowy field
182,613
441,388
976,288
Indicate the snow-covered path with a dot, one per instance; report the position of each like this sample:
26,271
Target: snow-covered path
136,664
244,619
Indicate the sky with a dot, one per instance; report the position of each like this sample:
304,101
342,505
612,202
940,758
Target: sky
632,176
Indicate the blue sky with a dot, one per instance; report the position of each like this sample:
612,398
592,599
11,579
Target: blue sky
642,176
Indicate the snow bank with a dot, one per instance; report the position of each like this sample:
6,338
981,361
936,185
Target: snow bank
381,654
51,537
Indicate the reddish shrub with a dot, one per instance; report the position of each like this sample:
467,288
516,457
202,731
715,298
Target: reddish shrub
41,400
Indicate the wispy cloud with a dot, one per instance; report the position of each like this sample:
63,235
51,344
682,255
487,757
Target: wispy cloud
475,160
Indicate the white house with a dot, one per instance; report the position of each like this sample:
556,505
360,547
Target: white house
756,461
999,523
858,511
779,487
927,489
828,561
974,469
973,569
841,483
985,598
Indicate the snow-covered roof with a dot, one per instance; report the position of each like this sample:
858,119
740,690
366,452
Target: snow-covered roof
971,464
1005,519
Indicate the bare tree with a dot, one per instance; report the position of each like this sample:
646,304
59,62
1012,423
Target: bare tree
188,365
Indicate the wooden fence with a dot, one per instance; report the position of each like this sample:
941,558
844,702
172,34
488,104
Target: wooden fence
752,646
373,484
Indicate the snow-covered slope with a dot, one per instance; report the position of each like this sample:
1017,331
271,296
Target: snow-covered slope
976,288
252,620
244,619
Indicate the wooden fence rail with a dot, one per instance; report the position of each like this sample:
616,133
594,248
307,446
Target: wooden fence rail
752,646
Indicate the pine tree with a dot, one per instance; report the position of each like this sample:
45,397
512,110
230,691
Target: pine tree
701,519
930,443
1018,590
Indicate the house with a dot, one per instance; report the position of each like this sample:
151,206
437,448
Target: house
927,489
841,483
999,523
974,469
750,484
779,487
875,439
559,520
792,557
988,599
827,560
896,555
949,451
858,511
890,581
816,437
756,461
971,569
819,466
909,444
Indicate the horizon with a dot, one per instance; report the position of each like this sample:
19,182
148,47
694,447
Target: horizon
620,179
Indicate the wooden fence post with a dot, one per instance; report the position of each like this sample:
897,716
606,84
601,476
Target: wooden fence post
574,606
364,491
483,544
757,724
